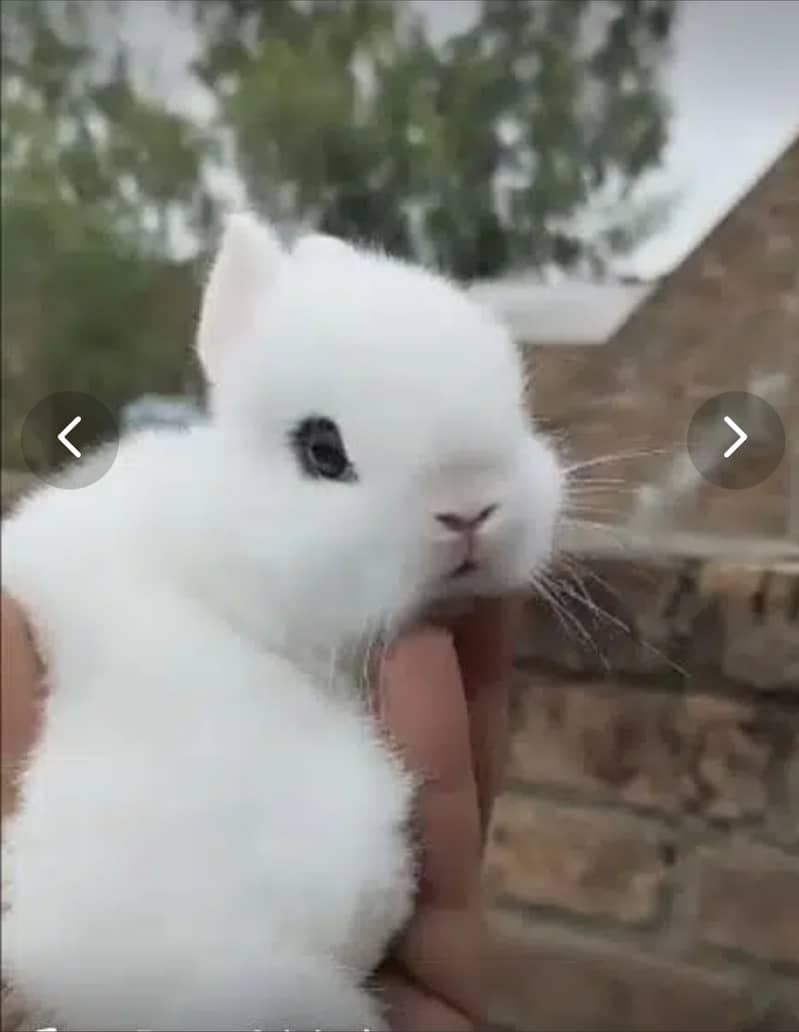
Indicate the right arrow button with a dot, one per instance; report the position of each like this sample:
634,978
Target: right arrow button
742,436
716,434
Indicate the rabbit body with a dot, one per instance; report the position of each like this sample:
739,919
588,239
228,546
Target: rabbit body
212,829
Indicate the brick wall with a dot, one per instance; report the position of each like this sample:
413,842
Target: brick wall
643,869
725,319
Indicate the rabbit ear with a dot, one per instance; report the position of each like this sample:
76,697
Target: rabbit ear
320,246
247,261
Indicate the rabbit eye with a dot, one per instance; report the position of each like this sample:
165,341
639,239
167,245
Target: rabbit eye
320,450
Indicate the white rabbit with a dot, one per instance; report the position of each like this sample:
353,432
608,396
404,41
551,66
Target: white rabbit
211,828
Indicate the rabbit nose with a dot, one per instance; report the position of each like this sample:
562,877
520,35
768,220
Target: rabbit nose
465,524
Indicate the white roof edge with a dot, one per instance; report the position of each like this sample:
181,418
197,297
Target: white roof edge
575,313
733,200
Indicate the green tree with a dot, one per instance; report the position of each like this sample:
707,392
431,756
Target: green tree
477,154
344,115
79,140
91,174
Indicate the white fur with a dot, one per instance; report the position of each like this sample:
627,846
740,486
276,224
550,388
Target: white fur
211,833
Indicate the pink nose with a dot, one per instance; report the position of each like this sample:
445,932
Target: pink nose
464,524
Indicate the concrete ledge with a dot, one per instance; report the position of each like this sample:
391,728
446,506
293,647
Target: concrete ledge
597,540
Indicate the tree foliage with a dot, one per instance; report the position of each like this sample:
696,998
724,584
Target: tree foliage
476,154
90,174
78,139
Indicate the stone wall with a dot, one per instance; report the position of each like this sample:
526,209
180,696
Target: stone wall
643,869
726,319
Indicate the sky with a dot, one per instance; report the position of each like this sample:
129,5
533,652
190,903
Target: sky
733,80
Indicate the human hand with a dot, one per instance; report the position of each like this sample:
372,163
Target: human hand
22,693
444,700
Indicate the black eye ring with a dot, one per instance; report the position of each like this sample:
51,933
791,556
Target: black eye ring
320,450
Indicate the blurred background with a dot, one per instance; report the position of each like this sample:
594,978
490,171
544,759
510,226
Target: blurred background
619,179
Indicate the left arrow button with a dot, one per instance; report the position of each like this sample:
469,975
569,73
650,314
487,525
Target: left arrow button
69,439
62,437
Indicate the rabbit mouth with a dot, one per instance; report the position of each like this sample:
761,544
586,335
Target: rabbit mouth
466,567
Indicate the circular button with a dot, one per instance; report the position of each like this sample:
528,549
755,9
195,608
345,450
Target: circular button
69,440
736,440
